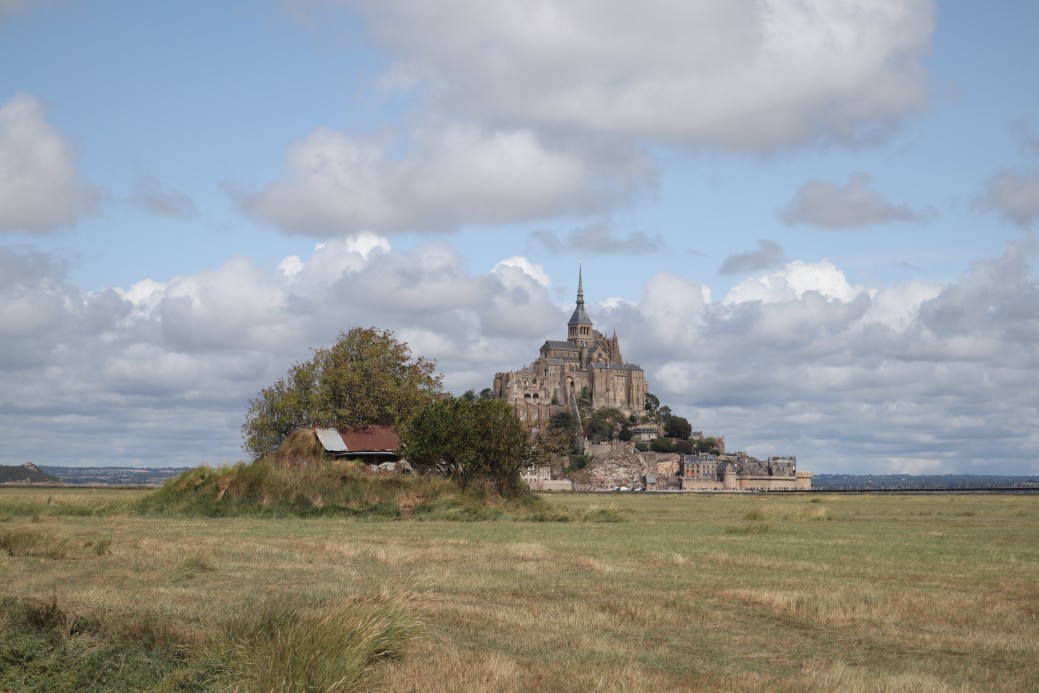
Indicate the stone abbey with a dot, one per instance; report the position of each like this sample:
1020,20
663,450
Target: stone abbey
587,361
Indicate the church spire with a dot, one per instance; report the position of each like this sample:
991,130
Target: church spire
579,329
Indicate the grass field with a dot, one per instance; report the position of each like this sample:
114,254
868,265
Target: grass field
716,592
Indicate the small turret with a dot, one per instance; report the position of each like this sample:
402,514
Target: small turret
615,349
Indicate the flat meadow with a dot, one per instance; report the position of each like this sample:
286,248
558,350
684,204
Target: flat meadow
685,592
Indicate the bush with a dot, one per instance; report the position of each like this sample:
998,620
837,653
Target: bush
579,462
662,445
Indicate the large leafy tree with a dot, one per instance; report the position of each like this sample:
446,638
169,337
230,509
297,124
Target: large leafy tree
470,440
367,377
678,427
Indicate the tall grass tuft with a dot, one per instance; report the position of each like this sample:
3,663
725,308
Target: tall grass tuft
785,512
102,546
192,567
286,643
21,543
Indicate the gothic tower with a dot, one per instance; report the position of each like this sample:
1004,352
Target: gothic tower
579,329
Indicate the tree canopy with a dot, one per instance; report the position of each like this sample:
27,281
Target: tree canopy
367,377
470,440
678,427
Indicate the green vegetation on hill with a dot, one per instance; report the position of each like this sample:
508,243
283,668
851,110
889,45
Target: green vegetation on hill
335,488
27,473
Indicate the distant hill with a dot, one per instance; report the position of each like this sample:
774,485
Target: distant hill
27,473
932,481
114,476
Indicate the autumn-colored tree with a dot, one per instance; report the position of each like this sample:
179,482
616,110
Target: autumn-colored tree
367,377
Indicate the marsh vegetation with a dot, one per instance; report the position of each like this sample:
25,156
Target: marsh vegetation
837,593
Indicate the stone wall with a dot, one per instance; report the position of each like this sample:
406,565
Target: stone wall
552,485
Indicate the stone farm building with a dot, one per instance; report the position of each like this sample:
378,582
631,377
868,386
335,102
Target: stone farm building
587,361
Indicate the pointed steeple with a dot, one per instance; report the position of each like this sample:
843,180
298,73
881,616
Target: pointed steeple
579,329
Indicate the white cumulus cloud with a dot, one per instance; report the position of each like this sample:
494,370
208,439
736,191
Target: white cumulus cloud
40,189
447,177
704,72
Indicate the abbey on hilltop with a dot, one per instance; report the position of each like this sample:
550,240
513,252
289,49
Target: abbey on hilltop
587,362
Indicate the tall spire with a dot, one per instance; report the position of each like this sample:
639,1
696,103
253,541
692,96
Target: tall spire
579,329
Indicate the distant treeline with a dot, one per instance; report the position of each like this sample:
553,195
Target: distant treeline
113,476
906,481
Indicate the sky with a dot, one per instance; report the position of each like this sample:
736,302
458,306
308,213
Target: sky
812,222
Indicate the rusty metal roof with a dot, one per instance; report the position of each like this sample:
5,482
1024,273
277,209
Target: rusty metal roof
344,441
371,439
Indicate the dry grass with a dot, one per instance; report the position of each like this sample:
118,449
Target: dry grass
877,594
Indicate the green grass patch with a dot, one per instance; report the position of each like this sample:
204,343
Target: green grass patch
282,643
756,528
47,647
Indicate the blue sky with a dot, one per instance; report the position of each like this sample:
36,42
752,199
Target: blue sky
811,223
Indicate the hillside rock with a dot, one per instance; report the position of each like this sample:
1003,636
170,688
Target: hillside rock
617,464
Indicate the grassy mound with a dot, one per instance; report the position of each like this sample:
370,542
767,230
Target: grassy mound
300,449
336,488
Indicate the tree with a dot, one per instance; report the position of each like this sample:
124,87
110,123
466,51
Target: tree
625,434
662,445
563,420
678,427
708,444
366,378
469,441
652,402
664,413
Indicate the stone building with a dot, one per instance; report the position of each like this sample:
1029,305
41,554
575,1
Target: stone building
704,471
587,362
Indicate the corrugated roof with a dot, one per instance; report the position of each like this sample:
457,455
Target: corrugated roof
330,439
371,439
